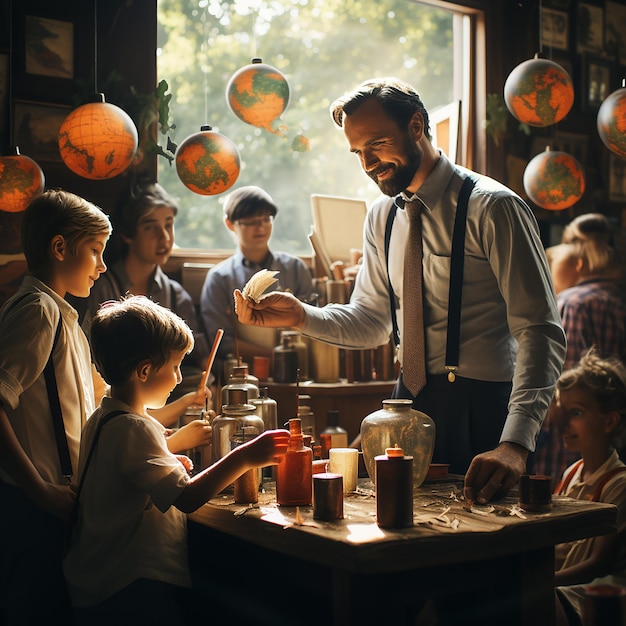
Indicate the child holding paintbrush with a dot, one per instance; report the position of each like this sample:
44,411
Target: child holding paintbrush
133,492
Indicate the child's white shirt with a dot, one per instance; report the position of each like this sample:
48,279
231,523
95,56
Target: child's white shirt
27,332
128,527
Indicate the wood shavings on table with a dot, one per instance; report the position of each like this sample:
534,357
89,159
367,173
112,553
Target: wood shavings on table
503,511
441,519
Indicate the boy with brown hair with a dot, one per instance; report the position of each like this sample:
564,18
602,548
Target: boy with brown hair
127,563
46,394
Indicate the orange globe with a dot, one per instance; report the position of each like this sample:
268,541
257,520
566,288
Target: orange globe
612,122
258,94
21,180
539,92
207,162
554,180
98,140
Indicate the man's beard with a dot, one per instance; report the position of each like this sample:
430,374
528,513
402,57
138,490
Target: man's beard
403,174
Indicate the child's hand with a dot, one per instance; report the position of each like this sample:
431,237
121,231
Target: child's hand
58,500
186,462
196,433
268,448
201,395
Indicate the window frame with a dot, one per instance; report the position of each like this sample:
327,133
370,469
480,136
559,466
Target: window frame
469,87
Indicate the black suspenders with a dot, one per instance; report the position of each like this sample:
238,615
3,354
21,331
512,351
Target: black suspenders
456,278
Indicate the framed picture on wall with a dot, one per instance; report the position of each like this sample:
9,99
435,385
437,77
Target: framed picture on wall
574,144
444,126
590,28
4,96
615,31
36,129
596,82
554,29
48,47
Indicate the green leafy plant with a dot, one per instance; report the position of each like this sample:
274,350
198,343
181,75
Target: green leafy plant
498,116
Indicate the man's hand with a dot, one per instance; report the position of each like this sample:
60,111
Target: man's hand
492,474
273,310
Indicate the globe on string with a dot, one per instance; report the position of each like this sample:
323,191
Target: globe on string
612,122
539,92
98,140
207,162
258,94
554,180
21,181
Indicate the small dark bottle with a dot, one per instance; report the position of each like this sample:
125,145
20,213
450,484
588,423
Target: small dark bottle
394,489
285,362
294,473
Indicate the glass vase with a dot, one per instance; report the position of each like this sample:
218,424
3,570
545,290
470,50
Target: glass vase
398,423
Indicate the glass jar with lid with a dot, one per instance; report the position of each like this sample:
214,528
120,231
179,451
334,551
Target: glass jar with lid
240,378
236,424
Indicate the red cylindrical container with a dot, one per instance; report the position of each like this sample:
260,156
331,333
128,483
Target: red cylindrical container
394,489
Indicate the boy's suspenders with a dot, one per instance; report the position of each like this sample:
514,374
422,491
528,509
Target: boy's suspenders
55,409
597,492
456,278
96,436
108,417
55,405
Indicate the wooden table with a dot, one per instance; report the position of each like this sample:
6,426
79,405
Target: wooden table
484,566
354,401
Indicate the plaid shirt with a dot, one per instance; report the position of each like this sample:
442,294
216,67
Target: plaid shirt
593,314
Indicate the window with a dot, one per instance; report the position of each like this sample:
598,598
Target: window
324,48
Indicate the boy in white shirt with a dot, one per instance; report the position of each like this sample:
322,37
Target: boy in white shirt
63,239
128,559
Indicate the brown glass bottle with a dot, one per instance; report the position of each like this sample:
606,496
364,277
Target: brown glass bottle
294,480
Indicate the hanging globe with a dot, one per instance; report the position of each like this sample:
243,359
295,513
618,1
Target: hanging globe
612,122
554,180
98,140
207,162
21,181
258,94
539,92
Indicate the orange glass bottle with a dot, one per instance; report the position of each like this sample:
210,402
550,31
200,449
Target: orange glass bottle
294,479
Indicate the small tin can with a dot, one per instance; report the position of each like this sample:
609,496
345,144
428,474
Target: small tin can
327,496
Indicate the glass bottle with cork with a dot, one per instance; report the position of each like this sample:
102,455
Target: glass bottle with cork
294,472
